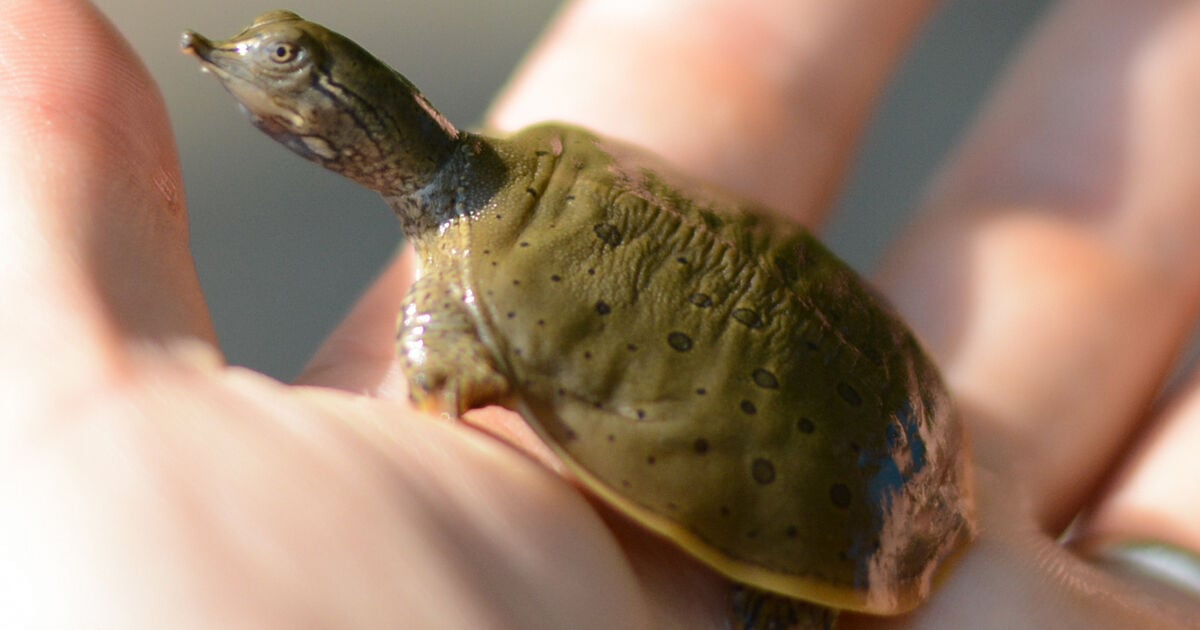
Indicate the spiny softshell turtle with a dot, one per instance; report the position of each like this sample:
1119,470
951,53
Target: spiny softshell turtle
707,369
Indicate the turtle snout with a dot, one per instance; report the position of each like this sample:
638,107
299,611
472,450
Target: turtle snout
196,45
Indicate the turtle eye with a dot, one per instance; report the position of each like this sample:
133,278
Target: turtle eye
283,52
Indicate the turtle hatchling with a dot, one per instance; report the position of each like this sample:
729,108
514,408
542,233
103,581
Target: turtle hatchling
704,367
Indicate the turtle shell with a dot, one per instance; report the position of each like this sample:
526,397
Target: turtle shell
714,373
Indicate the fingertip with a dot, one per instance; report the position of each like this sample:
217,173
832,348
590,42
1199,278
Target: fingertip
93,189
82,95
1153,497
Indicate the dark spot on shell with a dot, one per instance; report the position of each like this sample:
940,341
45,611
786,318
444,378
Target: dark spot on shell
700,446
541,322
791,531
511,314
516,283
517,352
765,379
571,434
641,414
602,308
499,216
612,438
570,197
487,252
591,272
625,483
763,471
700,299
679,341
587,354
650,460
523,244
747,317
532,192
849,394
555,278
805,425
541,152
561,391
748,407
597,405
681,260
608,233
700,391
494,263
631,347
840,495
672,507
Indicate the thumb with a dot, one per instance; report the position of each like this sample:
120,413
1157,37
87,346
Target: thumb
93,226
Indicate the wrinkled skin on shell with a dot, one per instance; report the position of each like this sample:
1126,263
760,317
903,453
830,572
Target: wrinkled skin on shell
709,370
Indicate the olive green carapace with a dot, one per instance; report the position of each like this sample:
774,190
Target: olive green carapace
713,372
707,369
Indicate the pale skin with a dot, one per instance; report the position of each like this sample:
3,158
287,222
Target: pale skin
1054,274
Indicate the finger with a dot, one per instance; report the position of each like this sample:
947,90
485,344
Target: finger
94,223
1155,498
1058,270
359,355
765,98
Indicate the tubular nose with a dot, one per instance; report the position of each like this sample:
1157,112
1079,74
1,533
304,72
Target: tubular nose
195,44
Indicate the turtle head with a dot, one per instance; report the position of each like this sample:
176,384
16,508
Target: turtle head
327,99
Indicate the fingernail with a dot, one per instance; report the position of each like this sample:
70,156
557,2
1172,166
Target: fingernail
1162,562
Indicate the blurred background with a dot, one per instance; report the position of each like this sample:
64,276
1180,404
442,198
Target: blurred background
283,248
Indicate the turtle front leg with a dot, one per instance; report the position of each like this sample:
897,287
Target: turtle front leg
759,610
448,368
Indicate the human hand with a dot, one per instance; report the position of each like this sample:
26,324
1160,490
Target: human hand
147,483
